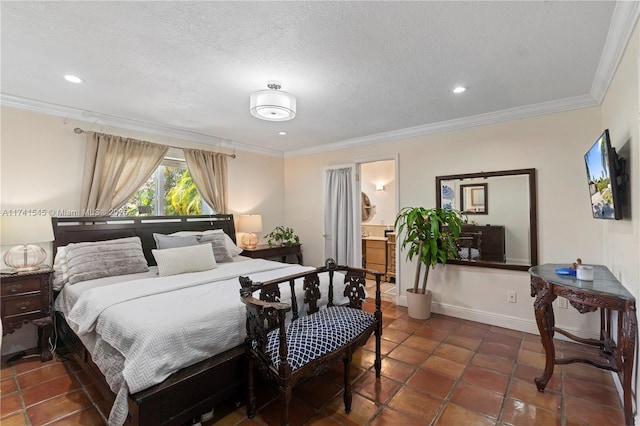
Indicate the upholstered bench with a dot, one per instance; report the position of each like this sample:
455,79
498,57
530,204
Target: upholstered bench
288,351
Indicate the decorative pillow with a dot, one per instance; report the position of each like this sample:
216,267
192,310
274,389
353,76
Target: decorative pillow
218,243
232,248
174,241
184,259
88,261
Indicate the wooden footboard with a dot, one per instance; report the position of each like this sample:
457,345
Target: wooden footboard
185,395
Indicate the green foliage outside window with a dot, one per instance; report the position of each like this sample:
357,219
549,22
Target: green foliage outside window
179,195
183,198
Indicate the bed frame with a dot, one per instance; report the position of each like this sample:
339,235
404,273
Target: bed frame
190,392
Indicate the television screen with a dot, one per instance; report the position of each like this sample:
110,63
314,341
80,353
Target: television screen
601,172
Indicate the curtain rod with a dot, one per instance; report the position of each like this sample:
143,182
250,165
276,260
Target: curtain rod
79,131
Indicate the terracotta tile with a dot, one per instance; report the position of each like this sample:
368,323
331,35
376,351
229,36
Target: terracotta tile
505,339
587,390
8,386
23,365
477,399
57,407
528,392
507,331
470,343
397,370
444,323
362,410
455,415
104,407
408,325
94,393
527,374
498,349
533,359
299,412
394,335
17,419
85,377
501,365
421,343
389,417
90,416
415,404
58,386
316,391
444,366
34,377
336,372
522,414
589,372
408,355
454,353
386,346
10,404
432,333
583,411
362,358
431,382
377,389
467,330
534,347
321,420
486,378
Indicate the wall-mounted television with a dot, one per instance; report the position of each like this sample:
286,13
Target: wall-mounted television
605,172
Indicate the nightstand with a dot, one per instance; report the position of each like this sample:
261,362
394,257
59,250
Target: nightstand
26,297
266,252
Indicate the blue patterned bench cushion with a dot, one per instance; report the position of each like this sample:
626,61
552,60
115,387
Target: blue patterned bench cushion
318,334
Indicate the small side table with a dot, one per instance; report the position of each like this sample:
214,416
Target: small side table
267,252
26,297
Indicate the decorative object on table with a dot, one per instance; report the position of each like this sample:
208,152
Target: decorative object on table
282,235
23,232
250,224
429,234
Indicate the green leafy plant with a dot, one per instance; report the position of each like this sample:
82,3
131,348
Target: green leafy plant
429,234
283,234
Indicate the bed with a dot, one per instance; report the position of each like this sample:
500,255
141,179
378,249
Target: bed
165,349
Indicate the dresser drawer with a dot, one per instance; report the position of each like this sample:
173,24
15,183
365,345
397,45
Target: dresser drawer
17,286
22,305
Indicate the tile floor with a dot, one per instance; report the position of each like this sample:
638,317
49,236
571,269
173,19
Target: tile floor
443,371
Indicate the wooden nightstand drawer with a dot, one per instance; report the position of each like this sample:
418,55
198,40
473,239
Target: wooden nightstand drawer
18,286
22,305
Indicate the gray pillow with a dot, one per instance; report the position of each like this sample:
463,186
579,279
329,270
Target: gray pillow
88,261
218,242
171,241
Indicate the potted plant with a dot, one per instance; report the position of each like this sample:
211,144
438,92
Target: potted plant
282,235
429,234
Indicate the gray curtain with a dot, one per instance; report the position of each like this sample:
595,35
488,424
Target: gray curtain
209,172
115,168
338,216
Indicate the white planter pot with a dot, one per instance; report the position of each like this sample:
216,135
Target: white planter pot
419,304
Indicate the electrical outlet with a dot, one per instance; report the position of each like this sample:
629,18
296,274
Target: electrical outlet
563,303
512,297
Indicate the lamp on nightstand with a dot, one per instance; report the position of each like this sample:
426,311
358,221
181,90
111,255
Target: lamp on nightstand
22,232
250,223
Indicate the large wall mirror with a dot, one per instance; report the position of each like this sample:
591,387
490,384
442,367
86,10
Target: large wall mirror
501,229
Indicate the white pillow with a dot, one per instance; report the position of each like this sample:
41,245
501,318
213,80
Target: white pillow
232,248
181,260
60,269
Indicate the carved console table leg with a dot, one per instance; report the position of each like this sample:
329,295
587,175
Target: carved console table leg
546,322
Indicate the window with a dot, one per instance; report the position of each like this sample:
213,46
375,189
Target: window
169,191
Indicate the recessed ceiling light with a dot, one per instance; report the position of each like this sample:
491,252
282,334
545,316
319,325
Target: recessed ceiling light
459,89
282,133
73,78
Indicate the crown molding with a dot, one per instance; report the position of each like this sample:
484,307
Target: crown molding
518,113
624,19
126,123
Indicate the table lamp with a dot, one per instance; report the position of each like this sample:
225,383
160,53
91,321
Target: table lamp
22,232
250,223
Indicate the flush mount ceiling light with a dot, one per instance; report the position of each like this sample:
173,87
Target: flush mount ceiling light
459,89
273,104
73,79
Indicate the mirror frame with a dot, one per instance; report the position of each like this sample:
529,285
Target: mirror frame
463,198
533,215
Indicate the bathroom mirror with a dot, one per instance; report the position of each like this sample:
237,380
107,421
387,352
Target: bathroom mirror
501,229
367,208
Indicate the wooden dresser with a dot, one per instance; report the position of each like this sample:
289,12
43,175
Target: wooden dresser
375,255
492,243
391,257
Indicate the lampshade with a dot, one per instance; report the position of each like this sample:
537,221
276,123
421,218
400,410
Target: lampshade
250,223
21,231
273,104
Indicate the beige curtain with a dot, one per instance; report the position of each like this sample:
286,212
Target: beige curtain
209,173
115,168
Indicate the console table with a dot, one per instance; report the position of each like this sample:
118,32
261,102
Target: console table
605,293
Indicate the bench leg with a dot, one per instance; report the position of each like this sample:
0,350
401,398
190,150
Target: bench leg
378,362
285,398
347,381
251,397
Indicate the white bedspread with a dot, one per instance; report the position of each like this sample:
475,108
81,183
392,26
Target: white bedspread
142,331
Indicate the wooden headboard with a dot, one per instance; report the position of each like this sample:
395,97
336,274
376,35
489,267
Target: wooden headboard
81,229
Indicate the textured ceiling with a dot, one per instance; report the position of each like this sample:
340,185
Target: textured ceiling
362,71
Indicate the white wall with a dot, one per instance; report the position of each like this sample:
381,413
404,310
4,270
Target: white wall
41,167
380,172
